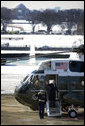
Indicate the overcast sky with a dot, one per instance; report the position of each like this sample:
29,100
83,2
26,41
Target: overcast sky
45,4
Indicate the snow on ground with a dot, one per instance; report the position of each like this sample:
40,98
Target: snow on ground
43,40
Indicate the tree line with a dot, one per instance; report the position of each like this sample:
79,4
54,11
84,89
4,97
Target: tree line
47,17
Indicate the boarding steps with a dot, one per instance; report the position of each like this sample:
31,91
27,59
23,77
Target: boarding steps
53,111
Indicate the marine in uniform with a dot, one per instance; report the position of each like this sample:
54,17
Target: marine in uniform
41,103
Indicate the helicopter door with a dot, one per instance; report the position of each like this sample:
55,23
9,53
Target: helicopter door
53,105
53,79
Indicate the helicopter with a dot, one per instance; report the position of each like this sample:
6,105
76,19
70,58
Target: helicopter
68,74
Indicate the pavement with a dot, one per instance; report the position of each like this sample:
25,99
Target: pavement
14,113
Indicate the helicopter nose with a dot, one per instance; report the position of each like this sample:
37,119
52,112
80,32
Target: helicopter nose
21,92
18,94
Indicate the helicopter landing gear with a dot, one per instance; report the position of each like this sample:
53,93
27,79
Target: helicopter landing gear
72,112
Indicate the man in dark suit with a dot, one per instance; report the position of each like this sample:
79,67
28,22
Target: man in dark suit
51,93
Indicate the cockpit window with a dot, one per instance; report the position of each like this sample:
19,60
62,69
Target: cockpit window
28,78
45,66
25,78
76,66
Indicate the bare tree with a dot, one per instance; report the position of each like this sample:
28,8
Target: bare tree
5,17
49,18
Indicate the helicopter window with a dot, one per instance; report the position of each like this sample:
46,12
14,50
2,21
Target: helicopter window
36,80
39,82
31,78
25,78
46,65
42,78
49,65
39,71
76,83
76,66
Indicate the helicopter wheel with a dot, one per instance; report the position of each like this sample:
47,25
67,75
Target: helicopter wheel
72,113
